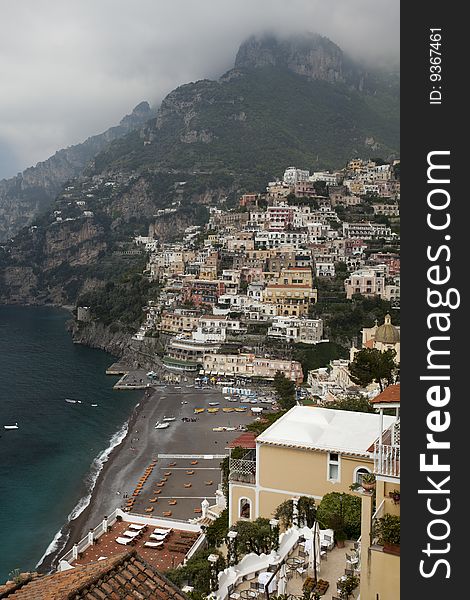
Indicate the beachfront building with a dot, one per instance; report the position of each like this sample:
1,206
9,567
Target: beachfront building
250,366
186,354
309,451
380,559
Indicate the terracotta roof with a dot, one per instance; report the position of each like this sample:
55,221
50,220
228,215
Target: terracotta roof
123,577
391,394
245,440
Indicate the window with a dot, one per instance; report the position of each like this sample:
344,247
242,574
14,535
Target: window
245,508
333,467
359,473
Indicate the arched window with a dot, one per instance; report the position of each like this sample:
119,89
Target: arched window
358,474
245,508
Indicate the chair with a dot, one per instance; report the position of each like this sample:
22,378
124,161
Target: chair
323,554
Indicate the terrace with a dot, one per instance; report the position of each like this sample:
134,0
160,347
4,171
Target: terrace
286,570
180,543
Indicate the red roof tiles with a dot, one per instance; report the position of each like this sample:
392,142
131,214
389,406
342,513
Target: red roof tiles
391,394
125,577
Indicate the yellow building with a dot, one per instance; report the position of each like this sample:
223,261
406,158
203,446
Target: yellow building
380,562
309,451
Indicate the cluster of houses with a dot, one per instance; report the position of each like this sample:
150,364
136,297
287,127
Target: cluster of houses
257,266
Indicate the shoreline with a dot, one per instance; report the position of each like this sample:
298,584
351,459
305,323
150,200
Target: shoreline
77,528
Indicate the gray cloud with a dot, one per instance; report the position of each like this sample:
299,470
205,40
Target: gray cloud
71,69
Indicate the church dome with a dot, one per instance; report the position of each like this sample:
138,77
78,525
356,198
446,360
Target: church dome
387,333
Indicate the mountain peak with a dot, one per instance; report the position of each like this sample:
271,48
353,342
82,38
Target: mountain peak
310,55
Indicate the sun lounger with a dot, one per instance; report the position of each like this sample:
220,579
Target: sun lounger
189,472
208,482
124,541
149,509
172,464
162,530
167,513
158,538
153,544
161,484
167,474
157,492
187,485
194,462
130,534
153,500
136,527
172,502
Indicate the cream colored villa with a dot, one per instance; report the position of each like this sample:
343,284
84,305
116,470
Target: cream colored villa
380,562
309,451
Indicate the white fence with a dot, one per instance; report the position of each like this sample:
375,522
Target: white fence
87,541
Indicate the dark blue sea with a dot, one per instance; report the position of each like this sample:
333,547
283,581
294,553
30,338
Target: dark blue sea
50,463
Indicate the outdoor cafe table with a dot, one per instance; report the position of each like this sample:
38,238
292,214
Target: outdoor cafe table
294,562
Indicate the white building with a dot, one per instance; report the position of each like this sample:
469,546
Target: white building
292,175
297,330
367,282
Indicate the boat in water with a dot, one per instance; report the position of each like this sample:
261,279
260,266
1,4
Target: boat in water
94,405
70,401
15,426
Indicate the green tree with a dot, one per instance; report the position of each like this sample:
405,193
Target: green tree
353,403
255,536
342,513
371,365
197,571
307,512
217,530
285,390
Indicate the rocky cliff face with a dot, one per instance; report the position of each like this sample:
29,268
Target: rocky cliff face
312,56
23,197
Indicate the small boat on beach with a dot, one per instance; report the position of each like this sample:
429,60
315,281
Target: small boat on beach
240,409
15,426
169,419
212,410
161,425
214,403
228,409
198,411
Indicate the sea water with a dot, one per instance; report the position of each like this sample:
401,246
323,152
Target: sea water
49,465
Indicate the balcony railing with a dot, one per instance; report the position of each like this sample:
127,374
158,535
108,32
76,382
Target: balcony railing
243,469
387,460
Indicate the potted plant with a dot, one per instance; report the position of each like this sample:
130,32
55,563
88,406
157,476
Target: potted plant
387,529
395,496
340,538
346,585
368,481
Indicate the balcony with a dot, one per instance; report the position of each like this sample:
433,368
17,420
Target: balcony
243,469
387,460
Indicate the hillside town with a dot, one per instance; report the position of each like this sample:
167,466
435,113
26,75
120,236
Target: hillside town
237,294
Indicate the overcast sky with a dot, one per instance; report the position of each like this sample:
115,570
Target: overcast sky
71,69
